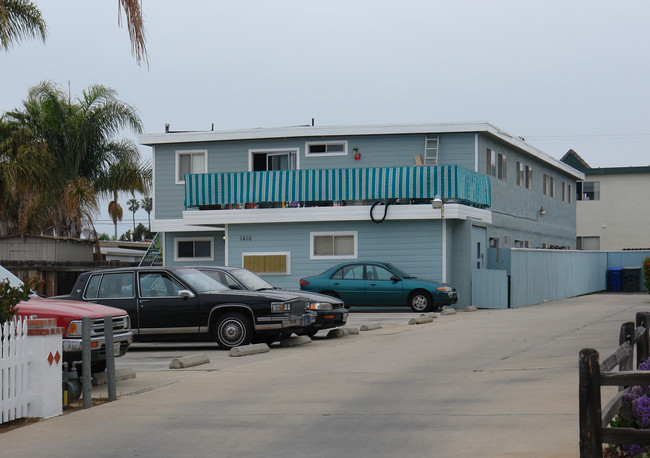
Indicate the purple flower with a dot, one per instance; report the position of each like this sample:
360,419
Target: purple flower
634,450
641,409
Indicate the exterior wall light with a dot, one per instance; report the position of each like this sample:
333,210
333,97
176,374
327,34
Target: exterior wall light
357,154
437,202
542,212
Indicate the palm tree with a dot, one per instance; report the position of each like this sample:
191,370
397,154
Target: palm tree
147,205
134,205
21,19
85,160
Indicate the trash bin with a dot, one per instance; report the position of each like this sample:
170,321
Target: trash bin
631,279
615,279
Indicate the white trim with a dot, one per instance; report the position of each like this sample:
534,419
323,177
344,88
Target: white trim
179,225
191,152
294,151
476,152
225,247
354,234
347,131
213,219
269,253
329,142
194,239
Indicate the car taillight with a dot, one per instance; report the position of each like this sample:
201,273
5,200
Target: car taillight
304,282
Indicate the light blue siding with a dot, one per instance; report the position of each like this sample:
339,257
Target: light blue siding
413,246
540,275
457,149
490,289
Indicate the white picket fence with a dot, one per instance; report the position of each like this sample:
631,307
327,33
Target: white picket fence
13,370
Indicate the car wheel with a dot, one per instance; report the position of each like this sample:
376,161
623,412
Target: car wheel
97,366
420,301
233,330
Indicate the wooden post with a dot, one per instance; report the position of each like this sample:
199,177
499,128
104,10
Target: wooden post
627,335
591,438
643,345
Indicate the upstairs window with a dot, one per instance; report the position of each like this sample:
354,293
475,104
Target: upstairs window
524,176
338,148
190,162
588,190
566,192
549,185
496,164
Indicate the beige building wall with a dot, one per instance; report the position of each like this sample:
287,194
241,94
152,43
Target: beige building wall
621,218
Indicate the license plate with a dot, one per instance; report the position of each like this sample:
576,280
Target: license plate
307,320
116,349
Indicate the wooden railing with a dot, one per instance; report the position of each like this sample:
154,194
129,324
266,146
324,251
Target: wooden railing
595,429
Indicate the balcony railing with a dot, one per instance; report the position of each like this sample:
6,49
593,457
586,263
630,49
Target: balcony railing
450,182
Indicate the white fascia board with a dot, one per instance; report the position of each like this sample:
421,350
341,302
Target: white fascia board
179,225
343,131
217,218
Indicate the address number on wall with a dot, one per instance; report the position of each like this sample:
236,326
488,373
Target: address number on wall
245,238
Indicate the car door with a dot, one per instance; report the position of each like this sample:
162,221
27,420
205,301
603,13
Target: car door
115,289
349,284
381,289
161,310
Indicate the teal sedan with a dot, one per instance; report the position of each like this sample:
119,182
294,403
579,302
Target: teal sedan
380,284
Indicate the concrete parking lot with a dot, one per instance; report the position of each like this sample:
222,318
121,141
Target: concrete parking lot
490,383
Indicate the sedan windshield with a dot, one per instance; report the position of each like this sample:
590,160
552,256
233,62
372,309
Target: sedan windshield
199,281
250,280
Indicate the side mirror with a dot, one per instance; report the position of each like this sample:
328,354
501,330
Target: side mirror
395,278
184,293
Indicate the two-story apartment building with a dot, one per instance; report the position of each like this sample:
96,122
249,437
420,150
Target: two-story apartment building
291,202
612,213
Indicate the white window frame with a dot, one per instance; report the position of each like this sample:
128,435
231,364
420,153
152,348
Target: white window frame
354,234
194,239
294,151
286,254
180,153
339,142
501,167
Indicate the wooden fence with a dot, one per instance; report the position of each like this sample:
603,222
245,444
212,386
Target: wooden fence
595,419
13,370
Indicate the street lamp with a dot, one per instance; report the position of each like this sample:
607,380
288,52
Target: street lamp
438,204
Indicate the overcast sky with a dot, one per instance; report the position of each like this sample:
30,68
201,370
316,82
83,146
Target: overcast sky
563,74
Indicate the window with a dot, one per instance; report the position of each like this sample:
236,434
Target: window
549,185
588,190
566,192
159,284
193,249
333,245
273,159
496,164
524,175
278,263
378,273
588,243
326,148
190,162
519,243
354,272
110,286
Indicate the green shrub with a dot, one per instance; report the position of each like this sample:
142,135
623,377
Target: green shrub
10,297
646,273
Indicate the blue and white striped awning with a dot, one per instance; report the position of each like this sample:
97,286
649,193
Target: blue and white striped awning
316,185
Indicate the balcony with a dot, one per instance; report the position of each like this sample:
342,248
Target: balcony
332,187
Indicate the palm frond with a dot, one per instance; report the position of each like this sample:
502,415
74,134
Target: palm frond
20,19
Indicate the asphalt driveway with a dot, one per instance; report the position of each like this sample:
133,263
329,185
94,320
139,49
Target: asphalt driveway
491,383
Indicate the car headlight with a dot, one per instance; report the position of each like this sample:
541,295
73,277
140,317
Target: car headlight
320,306
444,288
280,307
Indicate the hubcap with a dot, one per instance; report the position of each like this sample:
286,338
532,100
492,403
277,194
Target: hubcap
419,302
232,332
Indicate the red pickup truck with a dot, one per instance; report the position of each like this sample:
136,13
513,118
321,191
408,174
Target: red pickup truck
68,315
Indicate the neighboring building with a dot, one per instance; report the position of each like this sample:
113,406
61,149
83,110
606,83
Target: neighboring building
290,202
613,212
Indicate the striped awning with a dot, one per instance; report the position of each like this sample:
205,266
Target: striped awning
451,182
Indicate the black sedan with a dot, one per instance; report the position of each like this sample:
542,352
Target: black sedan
167,301
330,311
